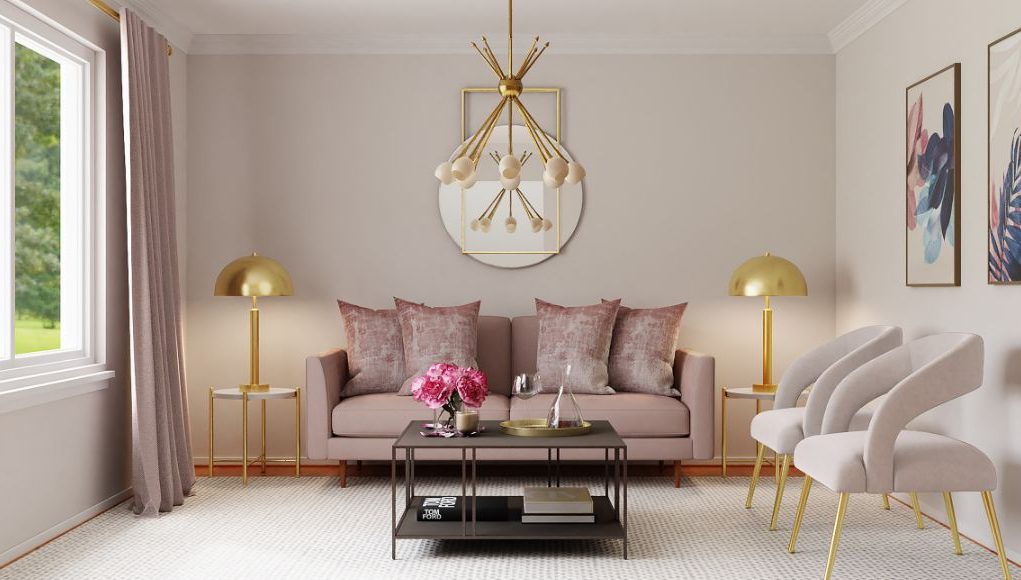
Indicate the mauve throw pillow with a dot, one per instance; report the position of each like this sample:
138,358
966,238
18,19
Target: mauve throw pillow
437,335
375,351
579,336
643,349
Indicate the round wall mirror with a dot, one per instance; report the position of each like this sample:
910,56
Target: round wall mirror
515,228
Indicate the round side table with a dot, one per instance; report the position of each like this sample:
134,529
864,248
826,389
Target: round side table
740,393
274,393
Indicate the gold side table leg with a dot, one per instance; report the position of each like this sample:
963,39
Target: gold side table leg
264,436
211,454
297,432
723,429
244,439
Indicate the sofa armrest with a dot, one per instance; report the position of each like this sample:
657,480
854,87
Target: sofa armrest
325,374
695,378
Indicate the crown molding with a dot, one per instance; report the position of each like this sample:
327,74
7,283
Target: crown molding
176,33
563,44
860,21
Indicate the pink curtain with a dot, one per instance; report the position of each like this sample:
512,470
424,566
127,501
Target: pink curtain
163,472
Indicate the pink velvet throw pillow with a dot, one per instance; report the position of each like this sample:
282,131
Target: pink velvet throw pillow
579,336
643,349
437,335
375,351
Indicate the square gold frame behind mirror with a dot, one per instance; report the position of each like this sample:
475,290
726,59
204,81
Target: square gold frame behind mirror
464,127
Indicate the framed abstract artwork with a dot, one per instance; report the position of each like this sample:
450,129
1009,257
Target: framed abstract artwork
933,180
1005,159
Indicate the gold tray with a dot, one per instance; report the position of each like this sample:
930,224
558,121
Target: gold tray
538,428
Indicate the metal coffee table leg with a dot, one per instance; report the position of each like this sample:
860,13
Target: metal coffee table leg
625,503
393,503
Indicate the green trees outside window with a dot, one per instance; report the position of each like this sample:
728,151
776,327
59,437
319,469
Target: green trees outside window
37,202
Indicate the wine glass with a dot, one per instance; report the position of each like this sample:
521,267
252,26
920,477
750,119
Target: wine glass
527,386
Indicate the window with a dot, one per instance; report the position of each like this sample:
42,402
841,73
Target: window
46,198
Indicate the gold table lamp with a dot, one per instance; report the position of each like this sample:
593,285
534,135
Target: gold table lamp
254,276
767,276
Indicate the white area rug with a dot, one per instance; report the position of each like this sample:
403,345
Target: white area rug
311,528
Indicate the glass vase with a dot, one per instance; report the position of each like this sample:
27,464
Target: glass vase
565,411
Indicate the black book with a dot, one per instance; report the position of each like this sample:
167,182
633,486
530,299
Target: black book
448,509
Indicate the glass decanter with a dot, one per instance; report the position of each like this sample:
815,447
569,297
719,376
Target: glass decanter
564,412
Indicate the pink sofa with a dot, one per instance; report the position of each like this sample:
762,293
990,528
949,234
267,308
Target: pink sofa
655,427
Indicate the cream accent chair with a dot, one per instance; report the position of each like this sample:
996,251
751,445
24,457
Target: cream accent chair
888,458
784,426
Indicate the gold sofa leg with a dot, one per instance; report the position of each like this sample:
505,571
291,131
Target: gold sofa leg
784,469
755,475
835,541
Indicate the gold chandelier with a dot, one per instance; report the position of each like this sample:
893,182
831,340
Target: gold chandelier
463,166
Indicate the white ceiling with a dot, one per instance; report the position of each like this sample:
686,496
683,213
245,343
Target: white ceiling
770,26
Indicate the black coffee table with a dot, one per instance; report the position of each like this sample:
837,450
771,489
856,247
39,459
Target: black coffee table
611,515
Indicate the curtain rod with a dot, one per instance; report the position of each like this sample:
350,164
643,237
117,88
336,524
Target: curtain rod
109,11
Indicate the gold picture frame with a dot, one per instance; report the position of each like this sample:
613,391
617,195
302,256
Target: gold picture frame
464,135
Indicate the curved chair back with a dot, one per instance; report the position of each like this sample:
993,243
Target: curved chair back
859,346
827,364
940,368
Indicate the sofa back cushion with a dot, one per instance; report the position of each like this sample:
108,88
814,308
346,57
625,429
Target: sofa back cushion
524,344
437,334
494,353
375,351
575,337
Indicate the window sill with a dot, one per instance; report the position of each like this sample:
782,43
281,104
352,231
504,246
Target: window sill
24,392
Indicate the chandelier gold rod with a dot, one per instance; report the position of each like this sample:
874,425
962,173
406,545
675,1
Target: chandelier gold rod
524,111
495,113
532,61
489,51
528,55
488,62
496,206
481,145
535,138
510,37
534,130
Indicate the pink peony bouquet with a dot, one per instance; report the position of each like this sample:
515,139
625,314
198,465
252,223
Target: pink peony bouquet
448,387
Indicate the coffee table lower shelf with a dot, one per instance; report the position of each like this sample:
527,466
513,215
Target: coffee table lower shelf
606,526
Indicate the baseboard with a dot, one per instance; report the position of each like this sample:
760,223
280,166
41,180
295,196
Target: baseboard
62,528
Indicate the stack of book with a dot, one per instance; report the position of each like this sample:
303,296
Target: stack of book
557,505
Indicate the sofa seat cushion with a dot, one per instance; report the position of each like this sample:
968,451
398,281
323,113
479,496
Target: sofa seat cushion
632,414
387,414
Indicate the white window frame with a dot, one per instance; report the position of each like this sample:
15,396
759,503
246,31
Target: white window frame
80,358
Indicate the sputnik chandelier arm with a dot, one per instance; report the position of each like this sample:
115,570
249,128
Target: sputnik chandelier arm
463,167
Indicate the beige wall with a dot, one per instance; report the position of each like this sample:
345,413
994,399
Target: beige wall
325,163
918,39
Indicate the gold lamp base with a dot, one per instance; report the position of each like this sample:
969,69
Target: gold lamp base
763,388
261,388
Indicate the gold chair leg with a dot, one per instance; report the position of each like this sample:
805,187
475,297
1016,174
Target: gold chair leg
805,489
952,520
776,467
918,511
779,491
994,526
211,421
886,502
755,475
835,541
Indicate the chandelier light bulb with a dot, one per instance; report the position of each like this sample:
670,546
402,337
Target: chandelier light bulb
557,168
470,181
443,173
511,224
550,181
536,224
512,183
546,225
575,173
462,168
510,167
484,224
475,225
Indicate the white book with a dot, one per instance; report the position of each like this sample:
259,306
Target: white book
558,519
557,500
